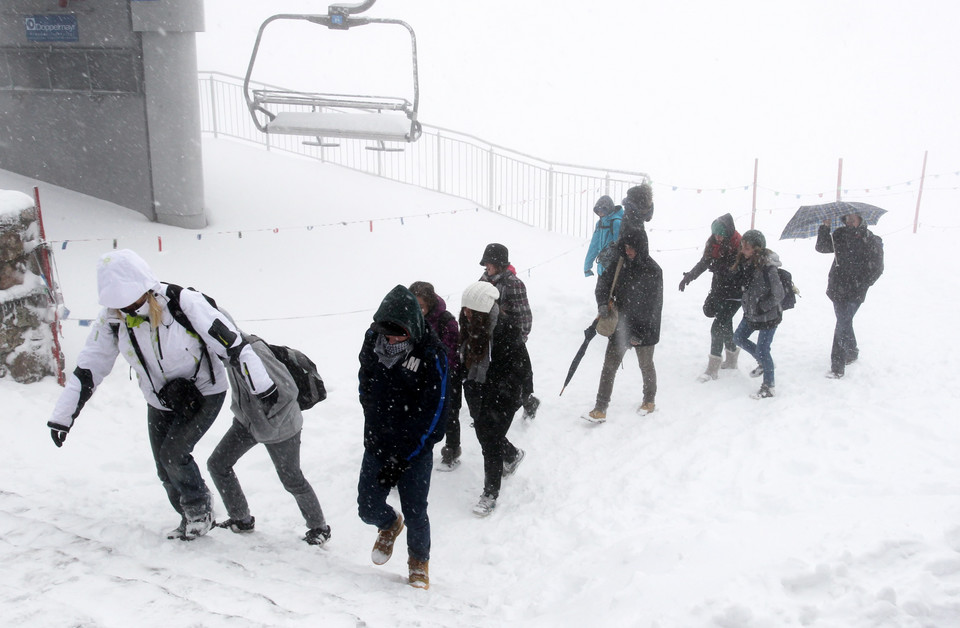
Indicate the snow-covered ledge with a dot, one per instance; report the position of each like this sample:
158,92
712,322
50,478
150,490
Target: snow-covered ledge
27,312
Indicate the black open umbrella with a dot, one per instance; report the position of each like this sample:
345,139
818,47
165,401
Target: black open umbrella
588,335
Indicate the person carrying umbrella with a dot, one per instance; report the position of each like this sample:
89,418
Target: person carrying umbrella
723,301
857,264
638,297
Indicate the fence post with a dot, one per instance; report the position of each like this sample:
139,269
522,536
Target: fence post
439,164
491,178
551,199
606,183
923,173
213,105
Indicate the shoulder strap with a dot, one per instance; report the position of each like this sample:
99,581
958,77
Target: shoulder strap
173,304
616,276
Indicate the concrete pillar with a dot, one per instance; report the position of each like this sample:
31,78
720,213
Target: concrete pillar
172,105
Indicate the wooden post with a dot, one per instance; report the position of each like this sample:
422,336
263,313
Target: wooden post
753,214
839,177
923,173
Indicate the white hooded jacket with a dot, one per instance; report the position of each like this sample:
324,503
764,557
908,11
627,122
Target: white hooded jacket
170,351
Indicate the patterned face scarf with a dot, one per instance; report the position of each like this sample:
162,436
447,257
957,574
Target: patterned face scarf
390,354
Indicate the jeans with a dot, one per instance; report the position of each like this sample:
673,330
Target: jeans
172,439
492,427
760,351
721,332
414,486
617,347
286,459
844,340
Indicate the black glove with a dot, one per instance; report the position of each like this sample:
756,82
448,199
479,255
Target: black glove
684,282
391,471
58,433
269,399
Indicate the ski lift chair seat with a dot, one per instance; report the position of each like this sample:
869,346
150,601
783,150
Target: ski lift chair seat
374,126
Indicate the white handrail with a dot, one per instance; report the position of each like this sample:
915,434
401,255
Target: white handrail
550,195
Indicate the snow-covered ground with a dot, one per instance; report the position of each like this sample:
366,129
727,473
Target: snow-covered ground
835,504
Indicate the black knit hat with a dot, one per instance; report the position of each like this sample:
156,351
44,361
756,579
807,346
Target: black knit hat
495,254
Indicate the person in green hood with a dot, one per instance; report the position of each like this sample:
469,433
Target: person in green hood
403,381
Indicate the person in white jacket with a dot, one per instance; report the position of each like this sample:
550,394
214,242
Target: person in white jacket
184,386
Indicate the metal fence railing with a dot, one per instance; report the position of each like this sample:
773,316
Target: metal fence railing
553,196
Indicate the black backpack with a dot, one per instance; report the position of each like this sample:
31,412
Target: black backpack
304,373
790,291
310,386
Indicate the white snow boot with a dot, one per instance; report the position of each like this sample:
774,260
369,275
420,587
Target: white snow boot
730,358
713,369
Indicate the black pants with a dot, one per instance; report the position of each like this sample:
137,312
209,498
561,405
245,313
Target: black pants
491,426
452,410
721,332
172,439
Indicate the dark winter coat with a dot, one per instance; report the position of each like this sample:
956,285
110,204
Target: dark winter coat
719,257
513,302
858,261
403,404
762,290
639,290
500,394
444,324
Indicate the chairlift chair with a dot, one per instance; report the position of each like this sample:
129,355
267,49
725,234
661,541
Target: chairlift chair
350,116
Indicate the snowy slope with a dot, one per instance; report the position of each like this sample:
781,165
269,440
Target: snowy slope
837,503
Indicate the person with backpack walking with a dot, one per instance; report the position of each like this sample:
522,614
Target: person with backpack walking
605,233
514,306
445,326
763,295
634,288
857,264
723,300
403,387
495,363
169,337
277,423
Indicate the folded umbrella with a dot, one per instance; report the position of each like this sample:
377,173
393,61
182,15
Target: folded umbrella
588,335
808,218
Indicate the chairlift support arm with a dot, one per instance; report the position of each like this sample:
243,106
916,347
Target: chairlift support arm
317,123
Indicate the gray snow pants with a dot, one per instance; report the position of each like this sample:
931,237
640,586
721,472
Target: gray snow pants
286,459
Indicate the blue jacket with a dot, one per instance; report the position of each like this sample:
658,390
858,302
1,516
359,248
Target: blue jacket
606,231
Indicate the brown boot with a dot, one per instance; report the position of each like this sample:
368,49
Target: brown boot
419,573
383,548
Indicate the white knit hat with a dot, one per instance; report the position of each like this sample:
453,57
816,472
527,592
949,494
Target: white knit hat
480,296
122,278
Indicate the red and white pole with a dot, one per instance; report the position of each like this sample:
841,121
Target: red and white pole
46,267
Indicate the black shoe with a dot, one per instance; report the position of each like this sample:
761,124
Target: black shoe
530,407
317,536
509,468
238,525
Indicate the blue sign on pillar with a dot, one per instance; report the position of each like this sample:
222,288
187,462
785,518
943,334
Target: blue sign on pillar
52,28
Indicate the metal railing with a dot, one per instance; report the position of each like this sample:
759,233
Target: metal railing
553,196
